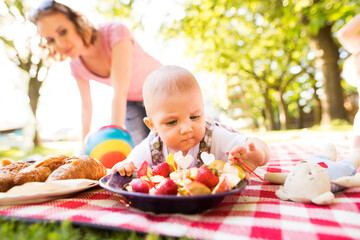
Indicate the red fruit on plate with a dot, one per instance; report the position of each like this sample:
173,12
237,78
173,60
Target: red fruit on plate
163,169
207,176
142,170
166,187
140,185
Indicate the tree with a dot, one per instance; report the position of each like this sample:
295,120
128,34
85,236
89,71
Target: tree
268,43
237,41
319,18
26,59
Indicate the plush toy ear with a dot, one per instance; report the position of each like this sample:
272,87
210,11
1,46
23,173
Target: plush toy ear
276,178
324,199
348,181
281,194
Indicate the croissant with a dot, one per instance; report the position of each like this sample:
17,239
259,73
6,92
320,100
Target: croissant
82,166
40,170
8,173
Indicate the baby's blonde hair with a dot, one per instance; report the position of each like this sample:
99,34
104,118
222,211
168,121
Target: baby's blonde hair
167,80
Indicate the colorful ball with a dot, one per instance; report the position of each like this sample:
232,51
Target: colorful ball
110,144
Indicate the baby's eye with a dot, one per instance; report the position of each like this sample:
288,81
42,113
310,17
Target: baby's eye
173,122
194,117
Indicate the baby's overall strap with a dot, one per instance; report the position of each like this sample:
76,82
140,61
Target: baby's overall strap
205,143
156,146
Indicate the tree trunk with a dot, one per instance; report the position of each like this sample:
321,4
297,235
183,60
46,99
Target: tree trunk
283,111
269,111
317,107
327,60
301,115
34,95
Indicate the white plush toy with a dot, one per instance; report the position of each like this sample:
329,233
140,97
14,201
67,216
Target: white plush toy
317,179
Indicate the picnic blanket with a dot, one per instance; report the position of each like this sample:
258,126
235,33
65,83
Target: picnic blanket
255,212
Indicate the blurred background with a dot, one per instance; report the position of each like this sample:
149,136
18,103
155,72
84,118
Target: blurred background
263,65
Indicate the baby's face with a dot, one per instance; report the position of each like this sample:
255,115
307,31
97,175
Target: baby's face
179,119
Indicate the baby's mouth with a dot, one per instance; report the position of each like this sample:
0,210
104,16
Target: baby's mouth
188,139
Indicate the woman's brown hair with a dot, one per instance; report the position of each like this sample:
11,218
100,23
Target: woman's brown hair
83,27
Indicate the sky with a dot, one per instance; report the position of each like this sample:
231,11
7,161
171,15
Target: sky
59,104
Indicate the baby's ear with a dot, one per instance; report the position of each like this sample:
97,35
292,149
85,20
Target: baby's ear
150,124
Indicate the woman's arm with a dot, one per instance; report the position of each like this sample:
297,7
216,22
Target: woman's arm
86,106
121,63
349,35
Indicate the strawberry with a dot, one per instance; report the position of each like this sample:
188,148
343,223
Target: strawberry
140,185
207,176
166,187
142,171
163,169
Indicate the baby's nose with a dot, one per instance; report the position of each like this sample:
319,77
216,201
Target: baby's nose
186,128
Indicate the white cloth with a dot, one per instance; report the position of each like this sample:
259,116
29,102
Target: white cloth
223,141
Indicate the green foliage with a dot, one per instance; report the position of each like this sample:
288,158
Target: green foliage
235,39
317,14
114,9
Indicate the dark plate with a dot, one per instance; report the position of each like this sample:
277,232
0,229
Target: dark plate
165,203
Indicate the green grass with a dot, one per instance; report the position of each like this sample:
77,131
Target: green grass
10,229
44,150
323,133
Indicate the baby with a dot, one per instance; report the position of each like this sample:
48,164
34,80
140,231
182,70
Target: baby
175,115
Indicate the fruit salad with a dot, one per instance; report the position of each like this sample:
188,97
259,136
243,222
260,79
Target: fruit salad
174,177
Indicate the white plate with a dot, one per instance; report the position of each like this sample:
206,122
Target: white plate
35,192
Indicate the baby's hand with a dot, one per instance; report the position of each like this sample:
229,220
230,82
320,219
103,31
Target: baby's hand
124,169
252,157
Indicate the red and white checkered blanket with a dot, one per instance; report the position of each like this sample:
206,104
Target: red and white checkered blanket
255,212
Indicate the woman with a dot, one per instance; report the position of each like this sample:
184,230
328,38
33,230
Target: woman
108,54
349,37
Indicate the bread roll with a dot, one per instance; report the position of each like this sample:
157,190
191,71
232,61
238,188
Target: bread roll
82,166
8,173
40,170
